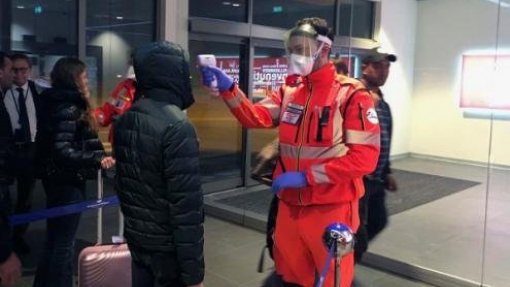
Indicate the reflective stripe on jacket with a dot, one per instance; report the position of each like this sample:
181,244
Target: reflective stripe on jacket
328,128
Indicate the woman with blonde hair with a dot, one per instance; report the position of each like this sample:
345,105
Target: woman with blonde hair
70,153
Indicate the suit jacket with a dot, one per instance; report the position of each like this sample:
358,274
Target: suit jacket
6,144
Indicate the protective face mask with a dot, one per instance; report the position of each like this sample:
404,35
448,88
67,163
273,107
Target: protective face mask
300,65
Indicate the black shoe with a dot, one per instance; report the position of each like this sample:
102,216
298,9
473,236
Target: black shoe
20,246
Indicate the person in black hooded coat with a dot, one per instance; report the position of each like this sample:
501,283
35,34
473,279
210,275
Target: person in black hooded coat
157,173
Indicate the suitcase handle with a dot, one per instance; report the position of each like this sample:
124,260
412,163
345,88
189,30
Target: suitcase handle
99,240
118,239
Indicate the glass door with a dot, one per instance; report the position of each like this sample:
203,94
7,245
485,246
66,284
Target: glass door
219,132
496,250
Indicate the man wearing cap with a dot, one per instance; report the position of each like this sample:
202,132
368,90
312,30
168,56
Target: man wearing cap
373,214
328,140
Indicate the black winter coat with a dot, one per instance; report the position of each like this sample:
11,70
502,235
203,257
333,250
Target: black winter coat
6,144
157,164
6,150
68,148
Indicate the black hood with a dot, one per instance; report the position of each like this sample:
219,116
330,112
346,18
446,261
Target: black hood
162,73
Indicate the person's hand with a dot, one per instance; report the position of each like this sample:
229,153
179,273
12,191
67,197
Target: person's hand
10,271
209,74
293,179
197,285
391,183
107,162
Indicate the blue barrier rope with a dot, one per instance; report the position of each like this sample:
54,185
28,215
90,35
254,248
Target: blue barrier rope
325,269
63,210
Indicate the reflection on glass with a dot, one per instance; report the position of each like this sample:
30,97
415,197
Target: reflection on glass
269,72
45,31
285,14
351,62
483,82
114,29
497,251
438,214
218,130
359,13
234,10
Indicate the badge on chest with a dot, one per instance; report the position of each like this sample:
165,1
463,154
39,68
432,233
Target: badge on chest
293,114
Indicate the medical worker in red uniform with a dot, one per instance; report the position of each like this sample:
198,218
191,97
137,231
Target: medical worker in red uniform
329,139
122,98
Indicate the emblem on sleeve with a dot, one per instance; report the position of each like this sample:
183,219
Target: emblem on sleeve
372,116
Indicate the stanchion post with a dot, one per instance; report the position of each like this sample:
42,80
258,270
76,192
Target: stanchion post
340,238
99,210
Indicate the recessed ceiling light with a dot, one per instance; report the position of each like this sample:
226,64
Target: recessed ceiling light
236,4
20,7
226,3
119,17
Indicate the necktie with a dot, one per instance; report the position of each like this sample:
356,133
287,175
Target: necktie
23,116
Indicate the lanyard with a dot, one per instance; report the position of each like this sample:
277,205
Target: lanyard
16,102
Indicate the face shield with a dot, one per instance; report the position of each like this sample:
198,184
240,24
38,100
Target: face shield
303,45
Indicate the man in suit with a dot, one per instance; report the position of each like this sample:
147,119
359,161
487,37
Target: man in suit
22,103
10,266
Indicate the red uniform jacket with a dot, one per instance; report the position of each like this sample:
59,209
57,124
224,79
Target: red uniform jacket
328,128
122,98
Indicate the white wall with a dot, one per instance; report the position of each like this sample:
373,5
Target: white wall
445,30
398,29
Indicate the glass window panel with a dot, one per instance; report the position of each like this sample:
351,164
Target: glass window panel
113,30
437,217
45,30
362,13
234,10
218,130
497,251
285,13
269,72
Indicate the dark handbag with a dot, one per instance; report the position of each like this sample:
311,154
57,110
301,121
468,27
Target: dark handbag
266,164
268,158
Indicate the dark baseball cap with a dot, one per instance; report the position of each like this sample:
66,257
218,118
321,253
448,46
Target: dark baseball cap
375,56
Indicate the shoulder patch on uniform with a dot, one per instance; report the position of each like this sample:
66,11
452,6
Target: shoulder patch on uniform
372,116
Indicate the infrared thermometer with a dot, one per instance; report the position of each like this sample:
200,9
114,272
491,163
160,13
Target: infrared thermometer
208,60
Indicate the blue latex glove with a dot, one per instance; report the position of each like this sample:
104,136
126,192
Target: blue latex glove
293,179
209,74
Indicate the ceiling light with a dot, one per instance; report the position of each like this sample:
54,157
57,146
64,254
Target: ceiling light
226,3
119,17
20,7
236,4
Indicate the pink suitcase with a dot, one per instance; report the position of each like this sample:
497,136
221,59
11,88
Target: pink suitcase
104,265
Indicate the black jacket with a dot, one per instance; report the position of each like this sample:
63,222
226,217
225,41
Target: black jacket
5,236
5,228
157,170
68,148
6,144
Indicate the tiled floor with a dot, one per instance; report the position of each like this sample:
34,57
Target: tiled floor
232,253
448,235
